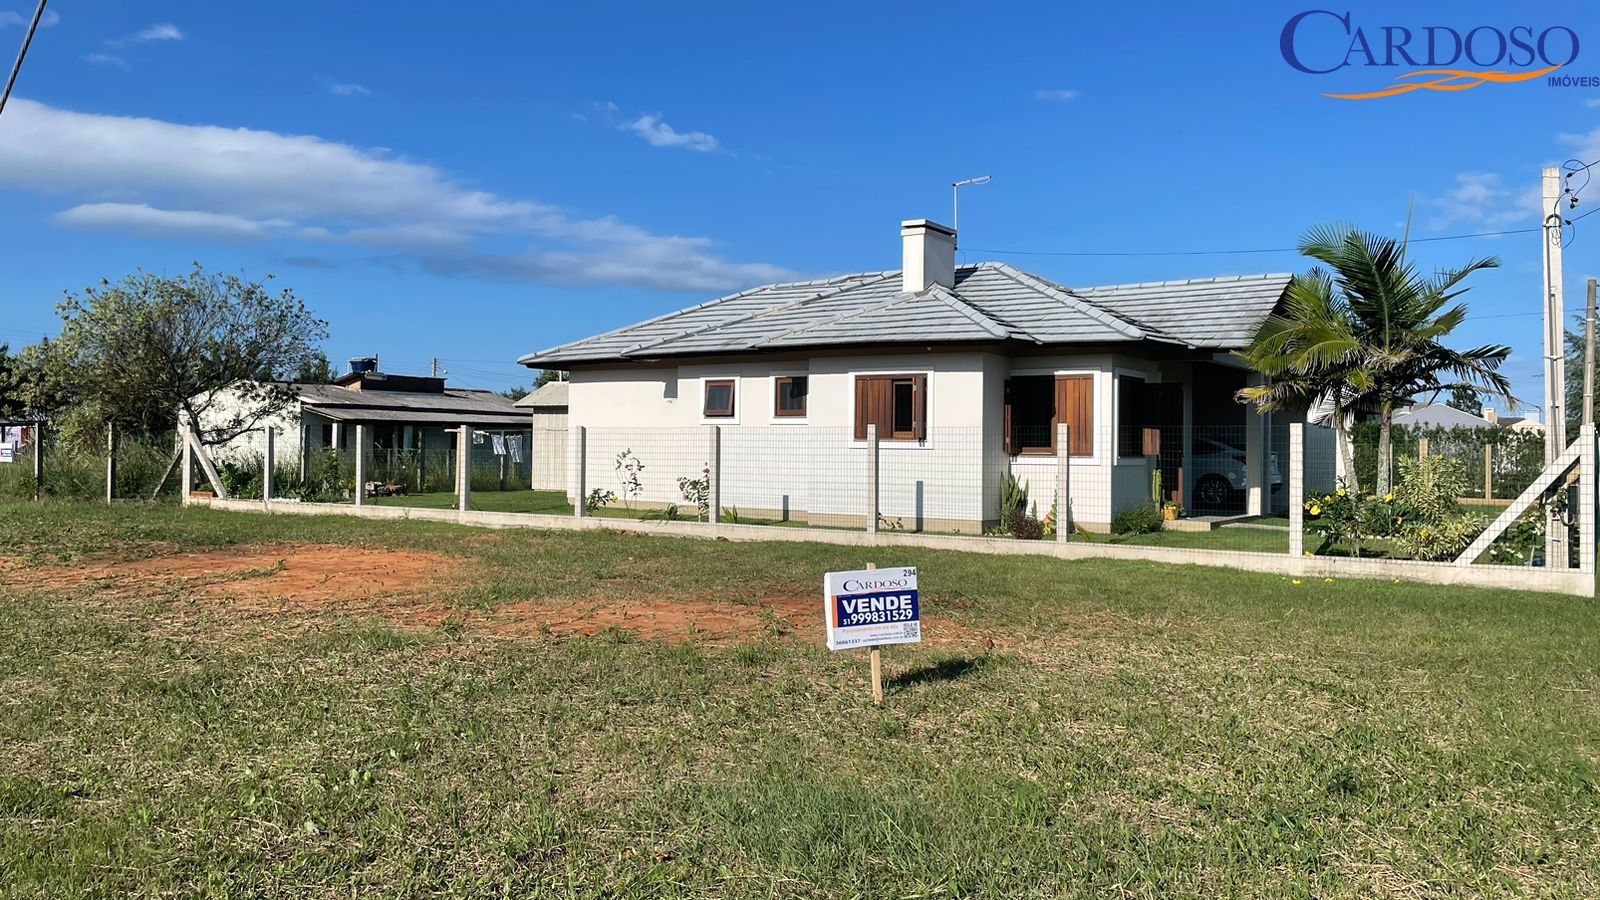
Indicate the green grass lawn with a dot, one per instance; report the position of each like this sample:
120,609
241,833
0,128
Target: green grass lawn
1135,729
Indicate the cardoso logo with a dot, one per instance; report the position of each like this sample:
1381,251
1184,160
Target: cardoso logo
1320,42
856,586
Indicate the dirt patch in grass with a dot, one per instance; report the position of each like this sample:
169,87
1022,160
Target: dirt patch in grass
403,588
254,578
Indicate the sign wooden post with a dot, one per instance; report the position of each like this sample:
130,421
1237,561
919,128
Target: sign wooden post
872,609
877,660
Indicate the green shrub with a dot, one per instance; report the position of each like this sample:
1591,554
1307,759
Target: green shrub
1022,525
1140,519
1013,495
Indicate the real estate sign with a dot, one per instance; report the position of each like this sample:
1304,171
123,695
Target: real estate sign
871,608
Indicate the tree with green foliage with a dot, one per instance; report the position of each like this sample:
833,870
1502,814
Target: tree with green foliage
515,393
151,350
316,370
548,375
1466,398
1371,333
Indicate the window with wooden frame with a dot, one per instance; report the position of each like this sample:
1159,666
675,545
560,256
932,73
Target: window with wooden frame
789,396
897,404
719,399
1036,404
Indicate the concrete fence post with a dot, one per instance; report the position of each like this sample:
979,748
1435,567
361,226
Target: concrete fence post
714,464
580,471
269,464
463,467
360,446
873,513
111,461
1297,489
1422,448
1488,471
186,471
1063,483
1586,499
38,460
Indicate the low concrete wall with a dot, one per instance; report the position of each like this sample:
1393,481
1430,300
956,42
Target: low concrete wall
1513,577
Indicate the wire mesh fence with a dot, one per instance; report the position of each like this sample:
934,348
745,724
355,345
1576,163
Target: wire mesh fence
1211,490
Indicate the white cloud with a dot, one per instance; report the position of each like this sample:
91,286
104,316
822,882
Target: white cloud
1592,103
1480,199
349,90
21,20
241,183
1060,95
659,134
147,220
164,31
106,59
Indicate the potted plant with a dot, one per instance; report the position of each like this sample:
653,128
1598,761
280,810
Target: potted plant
1171,510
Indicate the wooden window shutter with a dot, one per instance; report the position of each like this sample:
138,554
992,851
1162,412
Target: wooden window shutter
1005,424
862,390
874,405
1075,409
919,409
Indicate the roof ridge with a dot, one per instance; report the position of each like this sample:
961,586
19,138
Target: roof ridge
955,301
1065,295
843,288
688,309
1217,279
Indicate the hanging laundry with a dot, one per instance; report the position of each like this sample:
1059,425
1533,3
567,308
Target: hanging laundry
516,448
499,444
477,437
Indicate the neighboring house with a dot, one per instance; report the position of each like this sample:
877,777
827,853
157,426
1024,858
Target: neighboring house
1516,423
548,404
401,412
1439,415
964,370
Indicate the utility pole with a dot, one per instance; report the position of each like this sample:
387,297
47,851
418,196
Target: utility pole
1555,387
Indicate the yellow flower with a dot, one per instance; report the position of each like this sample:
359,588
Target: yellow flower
1327,581
1310,553
1316,510
1295,581
1389,497
1341,492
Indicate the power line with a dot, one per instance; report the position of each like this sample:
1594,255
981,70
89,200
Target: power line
16,67
1445,237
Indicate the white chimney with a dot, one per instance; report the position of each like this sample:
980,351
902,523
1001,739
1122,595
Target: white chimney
929,255
1489,415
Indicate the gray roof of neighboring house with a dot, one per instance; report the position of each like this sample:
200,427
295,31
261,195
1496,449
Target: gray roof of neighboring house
989,302
454,406
1441,416
550,395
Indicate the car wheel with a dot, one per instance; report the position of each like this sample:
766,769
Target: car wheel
1212,492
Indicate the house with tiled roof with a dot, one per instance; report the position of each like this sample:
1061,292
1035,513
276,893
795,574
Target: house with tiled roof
962,373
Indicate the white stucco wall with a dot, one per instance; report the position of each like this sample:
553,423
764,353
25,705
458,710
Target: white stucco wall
252,443
814,465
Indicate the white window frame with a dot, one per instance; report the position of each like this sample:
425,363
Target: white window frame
888,443
772,397
738,400
1097,379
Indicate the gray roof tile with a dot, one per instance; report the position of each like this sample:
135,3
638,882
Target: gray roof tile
989,302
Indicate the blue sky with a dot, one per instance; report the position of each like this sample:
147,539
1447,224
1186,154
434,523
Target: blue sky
478,182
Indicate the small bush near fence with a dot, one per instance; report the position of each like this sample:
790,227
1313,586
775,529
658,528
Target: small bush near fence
1422,518
1515,458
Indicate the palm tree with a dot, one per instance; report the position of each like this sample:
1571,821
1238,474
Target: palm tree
1368,332
1314,319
